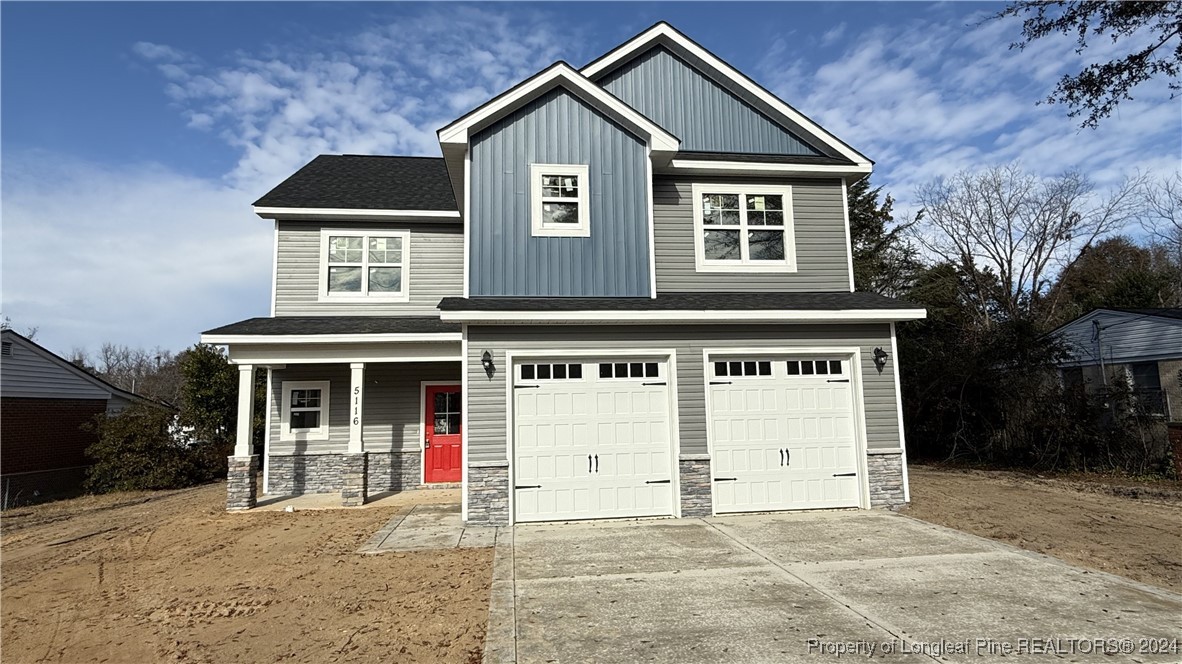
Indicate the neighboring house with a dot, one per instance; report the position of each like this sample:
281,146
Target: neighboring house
44,401
1140,348
625,290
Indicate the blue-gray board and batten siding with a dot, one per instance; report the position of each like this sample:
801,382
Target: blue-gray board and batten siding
558,128
695,109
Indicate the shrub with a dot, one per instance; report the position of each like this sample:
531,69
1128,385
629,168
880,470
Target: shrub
144,448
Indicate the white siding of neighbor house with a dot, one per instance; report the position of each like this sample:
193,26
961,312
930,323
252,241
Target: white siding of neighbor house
31,373
390,414
436,269
487,397
1125,337
822,253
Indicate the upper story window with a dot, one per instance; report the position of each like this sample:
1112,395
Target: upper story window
743,228
357,264
559,200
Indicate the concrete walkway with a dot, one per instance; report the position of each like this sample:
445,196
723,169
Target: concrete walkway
428,527
801,588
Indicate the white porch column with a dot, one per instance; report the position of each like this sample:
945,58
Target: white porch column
356,399
242,445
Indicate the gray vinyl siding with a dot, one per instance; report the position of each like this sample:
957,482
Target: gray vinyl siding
506,259
1125,337
822,257
436,269
487,397
691,106
27,373
390,415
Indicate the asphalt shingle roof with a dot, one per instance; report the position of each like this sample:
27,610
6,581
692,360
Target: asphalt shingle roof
682,302
770,158
1175,313
337,325
366,183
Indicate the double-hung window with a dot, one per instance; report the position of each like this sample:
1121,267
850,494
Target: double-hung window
357,264
743,228
304,411
559,200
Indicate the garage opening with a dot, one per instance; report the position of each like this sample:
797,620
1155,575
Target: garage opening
783,433
592,439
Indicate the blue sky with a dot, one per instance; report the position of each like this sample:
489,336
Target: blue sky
134,136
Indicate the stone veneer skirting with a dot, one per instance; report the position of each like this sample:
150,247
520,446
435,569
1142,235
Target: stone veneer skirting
325,473
241,482
694,471
488,493
886,479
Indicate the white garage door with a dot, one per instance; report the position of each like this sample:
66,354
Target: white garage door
783,433
591,440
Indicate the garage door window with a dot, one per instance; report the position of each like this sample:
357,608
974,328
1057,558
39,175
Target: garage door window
551,371
629,370
743,368
814,368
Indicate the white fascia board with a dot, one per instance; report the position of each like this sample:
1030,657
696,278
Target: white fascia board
685,316
665,32
461,130
766,168
348,213
231,339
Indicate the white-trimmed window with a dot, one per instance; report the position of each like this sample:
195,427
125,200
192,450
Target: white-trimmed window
360,264
559,200
743,228
304,410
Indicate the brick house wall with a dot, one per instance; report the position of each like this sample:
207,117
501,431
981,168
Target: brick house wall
41,438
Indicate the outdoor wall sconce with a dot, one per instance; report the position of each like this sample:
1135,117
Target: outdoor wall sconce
880,358
487,363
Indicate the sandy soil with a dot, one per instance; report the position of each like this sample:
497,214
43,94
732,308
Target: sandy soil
172,577
1120,527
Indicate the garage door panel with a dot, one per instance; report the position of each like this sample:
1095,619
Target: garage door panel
753,419
588,446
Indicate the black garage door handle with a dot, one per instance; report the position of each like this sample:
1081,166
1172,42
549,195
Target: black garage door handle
528,486
726,479
658,481
844,474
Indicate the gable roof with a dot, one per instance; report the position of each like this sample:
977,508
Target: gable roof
732,79
558,74
358,185
1174,313
67,367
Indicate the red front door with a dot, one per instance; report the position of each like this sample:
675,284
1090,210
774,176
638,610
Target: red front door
443,457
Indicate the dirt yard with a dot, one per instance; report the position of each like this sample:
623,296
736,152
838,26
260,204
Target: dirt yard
1126,528
161,577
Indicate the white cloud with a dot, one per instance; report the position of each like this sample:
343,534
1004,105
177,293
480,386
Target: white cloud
140,255
383,90
931,97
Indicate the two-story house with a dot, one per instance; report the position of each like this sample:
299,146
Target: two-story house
624,290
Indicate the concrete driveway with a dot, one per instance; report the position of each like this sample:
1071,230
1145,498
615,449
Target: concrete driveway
835,586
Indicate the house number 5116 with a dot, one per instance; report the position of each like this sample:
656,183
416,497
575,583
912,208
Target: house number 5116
357,405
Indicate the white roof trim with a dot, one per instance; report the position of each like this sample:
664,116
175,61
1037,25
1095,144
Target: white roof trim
274,212
393,337
758,167
665,32
560,73
686,316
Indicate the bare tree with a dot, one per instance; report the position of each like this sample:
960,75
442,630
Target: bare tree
29,333
153,373
1011,233
1162,218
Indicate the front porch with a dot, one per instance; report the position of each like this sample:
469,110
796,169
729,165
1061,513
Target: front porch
347,414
